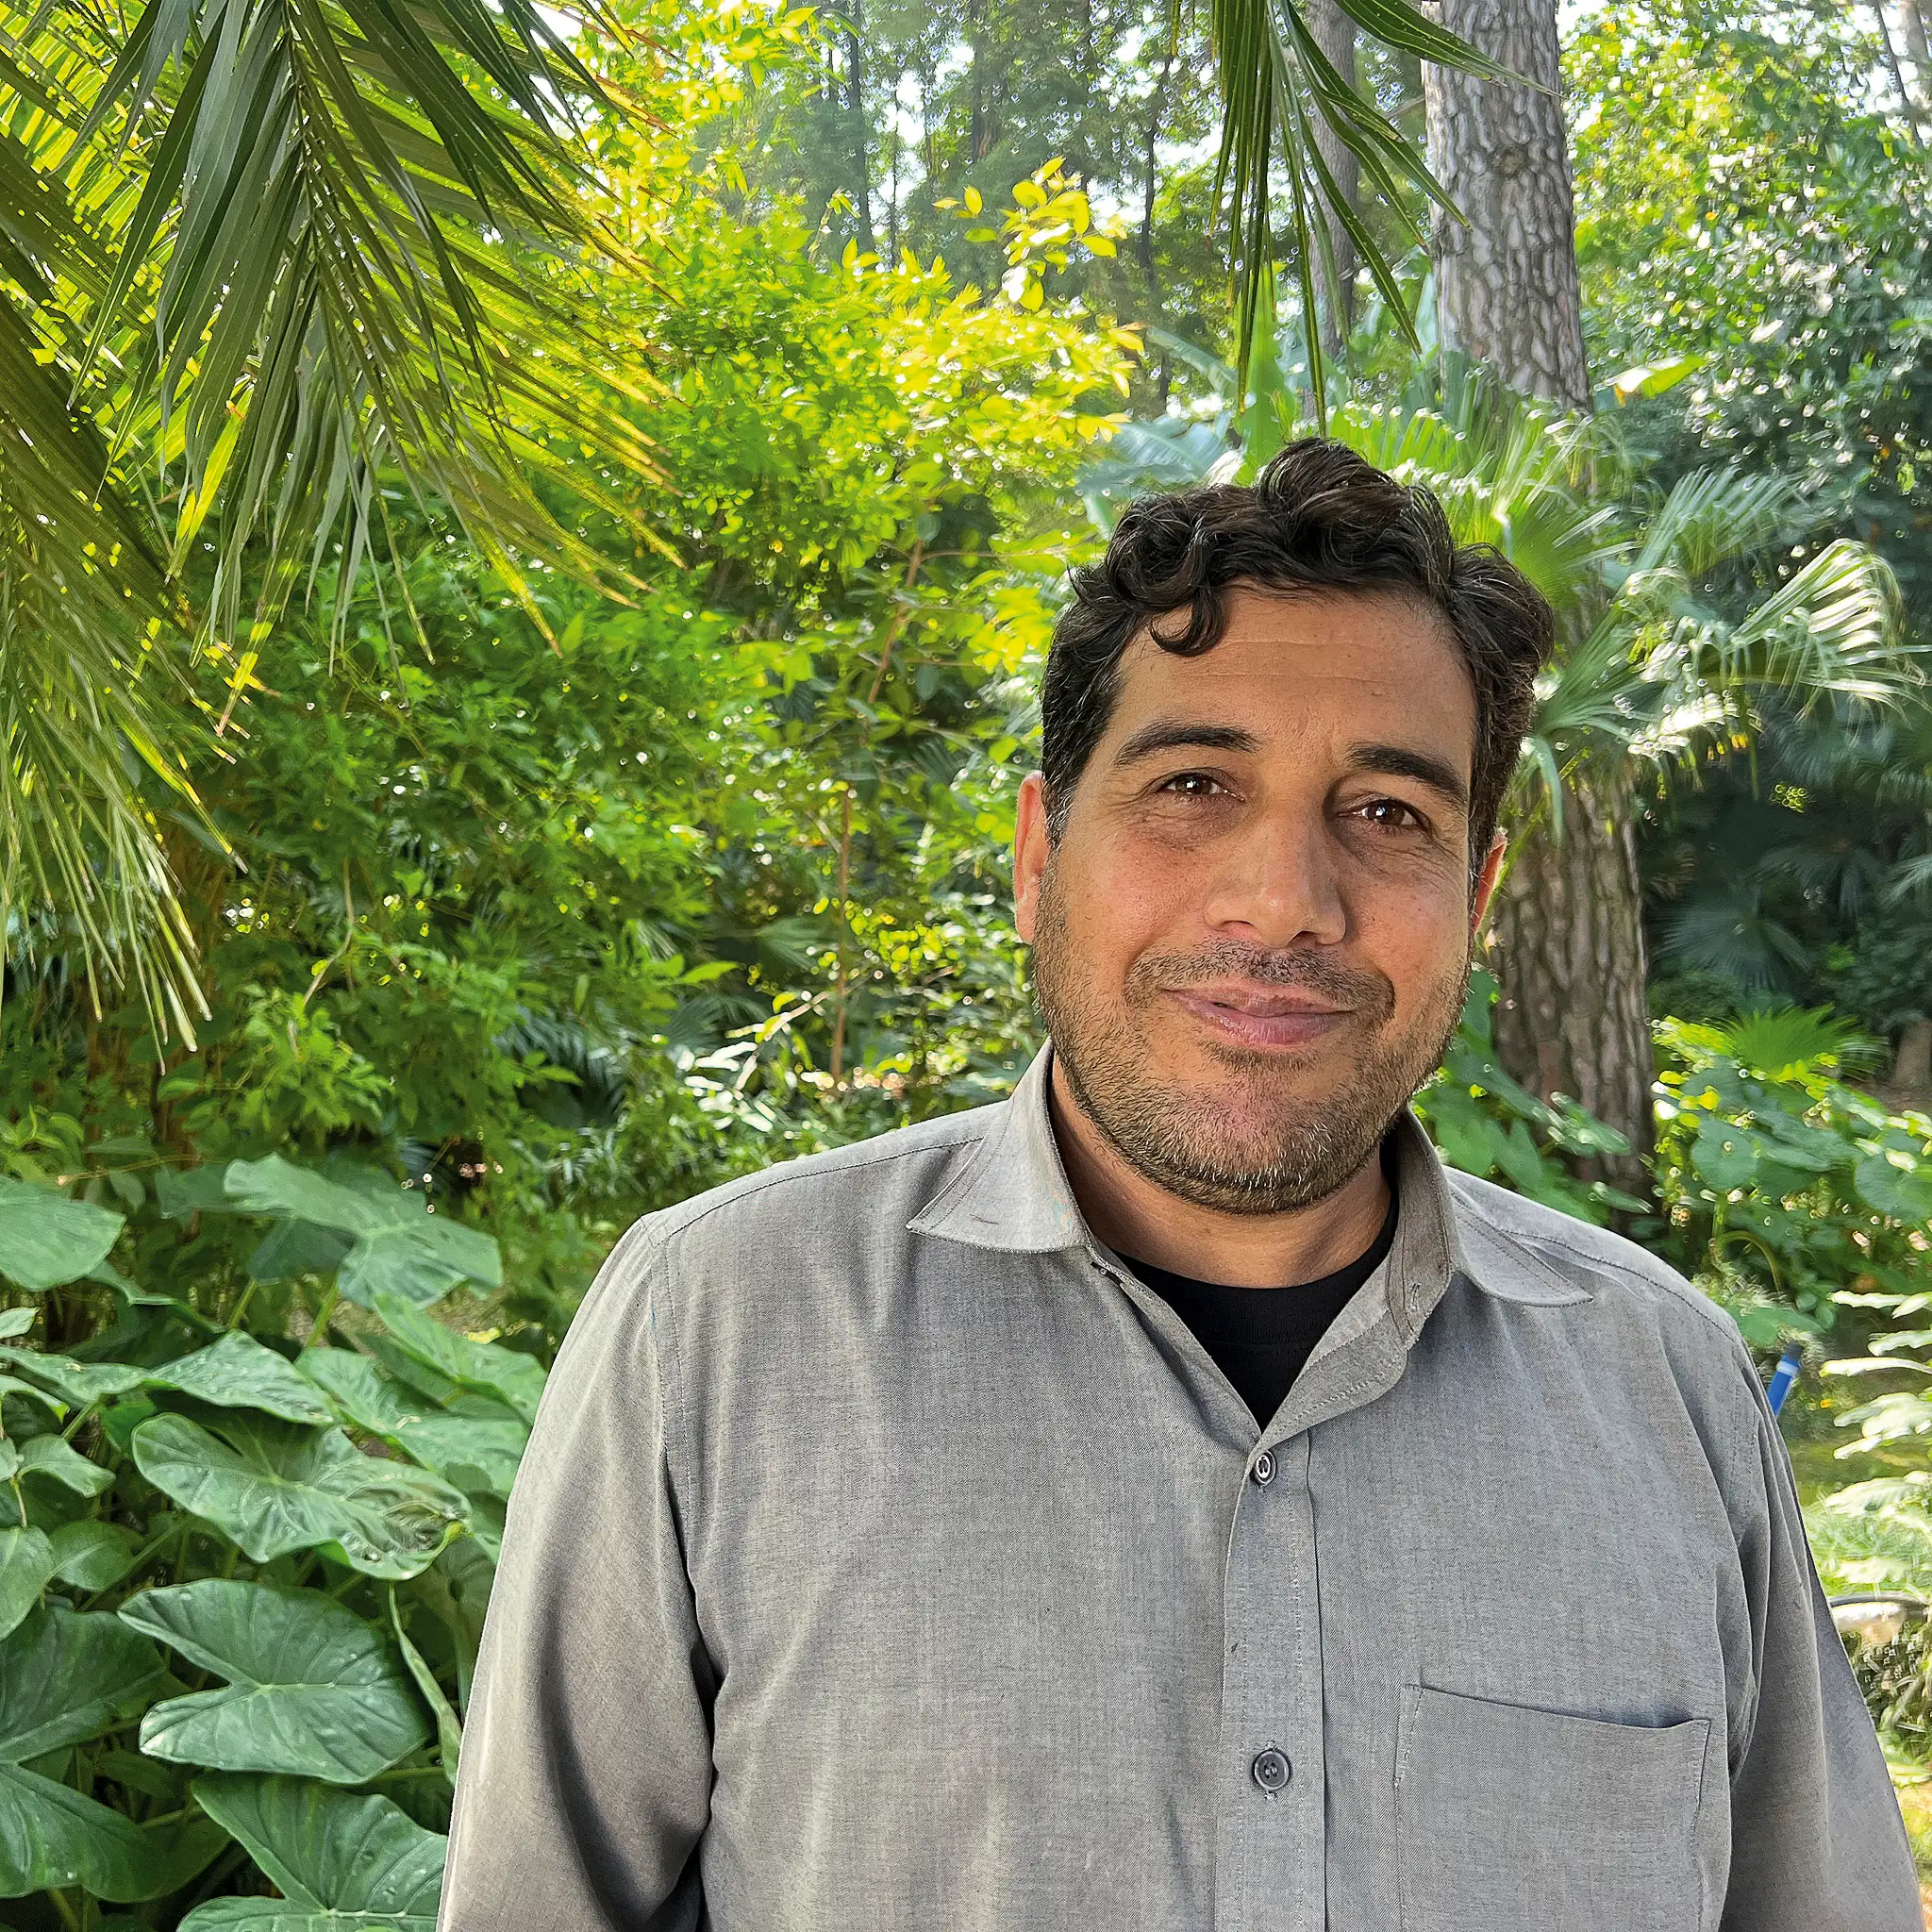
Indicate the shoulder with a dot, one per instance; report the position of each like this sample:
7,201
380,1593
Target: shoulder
870,1180
785,1227
811,1210
1603,1265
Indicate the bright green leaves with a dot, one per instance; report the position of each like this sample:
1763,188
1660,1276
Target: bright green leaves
46,1239
275,1487
64,1680
342,1862
399,1246
311,1689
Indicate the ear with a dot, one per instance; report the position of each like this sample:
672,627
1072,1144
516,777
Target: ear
1031,850
1486,881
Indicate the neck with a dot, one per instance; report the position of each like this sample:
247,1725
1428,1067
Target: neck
1135,1216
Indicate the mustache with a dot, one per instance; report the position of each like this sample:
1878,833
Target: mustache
1366,992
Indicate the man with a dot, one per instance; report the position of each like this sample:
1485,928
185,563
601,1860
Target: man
1170,1499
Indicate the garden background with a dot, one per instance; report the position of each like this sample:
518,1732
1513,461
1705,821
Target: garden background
526,541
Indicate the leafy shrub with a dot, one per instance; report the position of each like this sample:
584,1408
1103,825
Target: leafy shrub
1487,1125
1786,1191
240,1602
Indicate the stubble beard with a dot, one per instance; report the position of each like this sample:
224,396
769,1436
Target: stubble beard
1267,1146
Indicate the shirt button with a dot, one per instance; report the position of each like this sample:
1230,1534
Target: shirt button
1264,1467
1270,1770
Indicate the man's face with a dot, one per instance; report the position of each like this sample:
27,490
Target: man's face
1252,940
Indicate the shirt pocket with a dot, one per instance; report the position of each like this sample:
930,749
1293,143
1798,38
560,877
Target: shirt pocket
1511,1818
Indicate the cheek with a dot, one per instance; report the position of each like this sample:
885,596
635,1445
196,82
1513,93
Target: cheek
1115,905
1416,930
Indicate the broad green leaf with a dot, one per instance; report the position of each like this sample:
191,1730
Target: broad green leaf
299,1247
180,1193
67,1675
402,1415
1726,1154
1903,1193
92,1555
483,1367
26,1563
50,1835
80,1383
273,1486
238,1372
400,1246
311,1690
15,1322
46,1239
58,1461
343,1862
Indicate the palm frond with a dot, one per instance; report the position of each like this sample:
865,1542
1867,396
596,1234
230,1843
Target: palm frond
261,263
1277,86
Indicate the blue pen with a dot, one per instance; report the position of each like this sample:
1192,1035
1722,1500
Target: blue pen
1783,1377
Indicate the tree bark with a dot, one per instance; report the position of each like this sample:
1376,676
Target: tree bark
1567,926
860,125
1507,291
1334,33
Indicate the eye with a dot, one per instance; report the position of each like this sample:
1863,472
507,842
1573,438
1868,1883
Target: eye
1391,814
1192,785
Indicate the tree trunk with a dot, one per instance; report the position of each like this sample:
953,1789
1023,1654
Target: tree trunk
1506,292
1568,930
1334,33
1567,925
860,125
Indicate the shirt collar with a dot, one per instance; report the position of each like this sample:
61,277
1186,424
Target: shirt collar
1012,1195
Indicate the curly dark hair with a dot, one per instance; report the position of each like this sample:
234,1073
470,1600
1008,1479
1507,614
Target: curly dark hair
1318,518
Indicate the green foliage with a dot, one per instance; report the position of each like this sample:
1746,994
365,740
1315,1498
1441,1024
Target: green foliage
1486,1123
240,1607
1785,1191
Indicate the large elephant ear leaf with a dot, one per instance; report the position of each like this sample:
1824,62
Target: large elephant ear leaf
64,1678
484,1368
27,1563
341,1860
311,1689
238,1372
399,1246
46,1239
274,1487
492,1446
80,1383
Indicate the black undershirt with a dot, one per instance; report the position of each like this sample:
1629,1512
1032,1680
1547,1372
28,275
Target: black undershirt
1260,1337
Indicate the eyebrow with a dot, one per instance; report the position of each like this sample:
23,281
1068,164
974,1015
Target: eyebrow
1398,761
1172,734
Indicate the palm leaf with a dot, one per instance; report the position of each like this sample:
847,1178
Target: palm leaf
1276,85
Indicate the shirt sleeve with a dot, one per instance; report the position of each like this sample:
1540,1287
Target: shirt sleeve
1817,1842
586,1768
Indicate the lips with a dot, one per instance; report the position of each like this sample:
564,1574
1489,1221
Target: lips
1260,1016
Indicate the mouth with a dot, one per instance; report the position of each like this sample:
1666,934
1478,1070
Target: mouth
1258,1016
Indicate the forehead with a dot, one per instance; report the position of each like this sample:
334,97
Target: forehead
1290,665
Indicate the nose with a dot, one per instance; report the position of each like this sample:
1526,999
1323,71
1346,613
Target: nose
1278,884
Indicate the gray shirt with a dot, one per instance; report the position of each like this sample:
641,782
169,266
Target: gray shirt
887,1555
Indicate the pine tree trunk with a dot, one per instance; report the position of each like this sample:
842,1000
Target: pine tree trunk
1506,292
1567,927
1334,33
